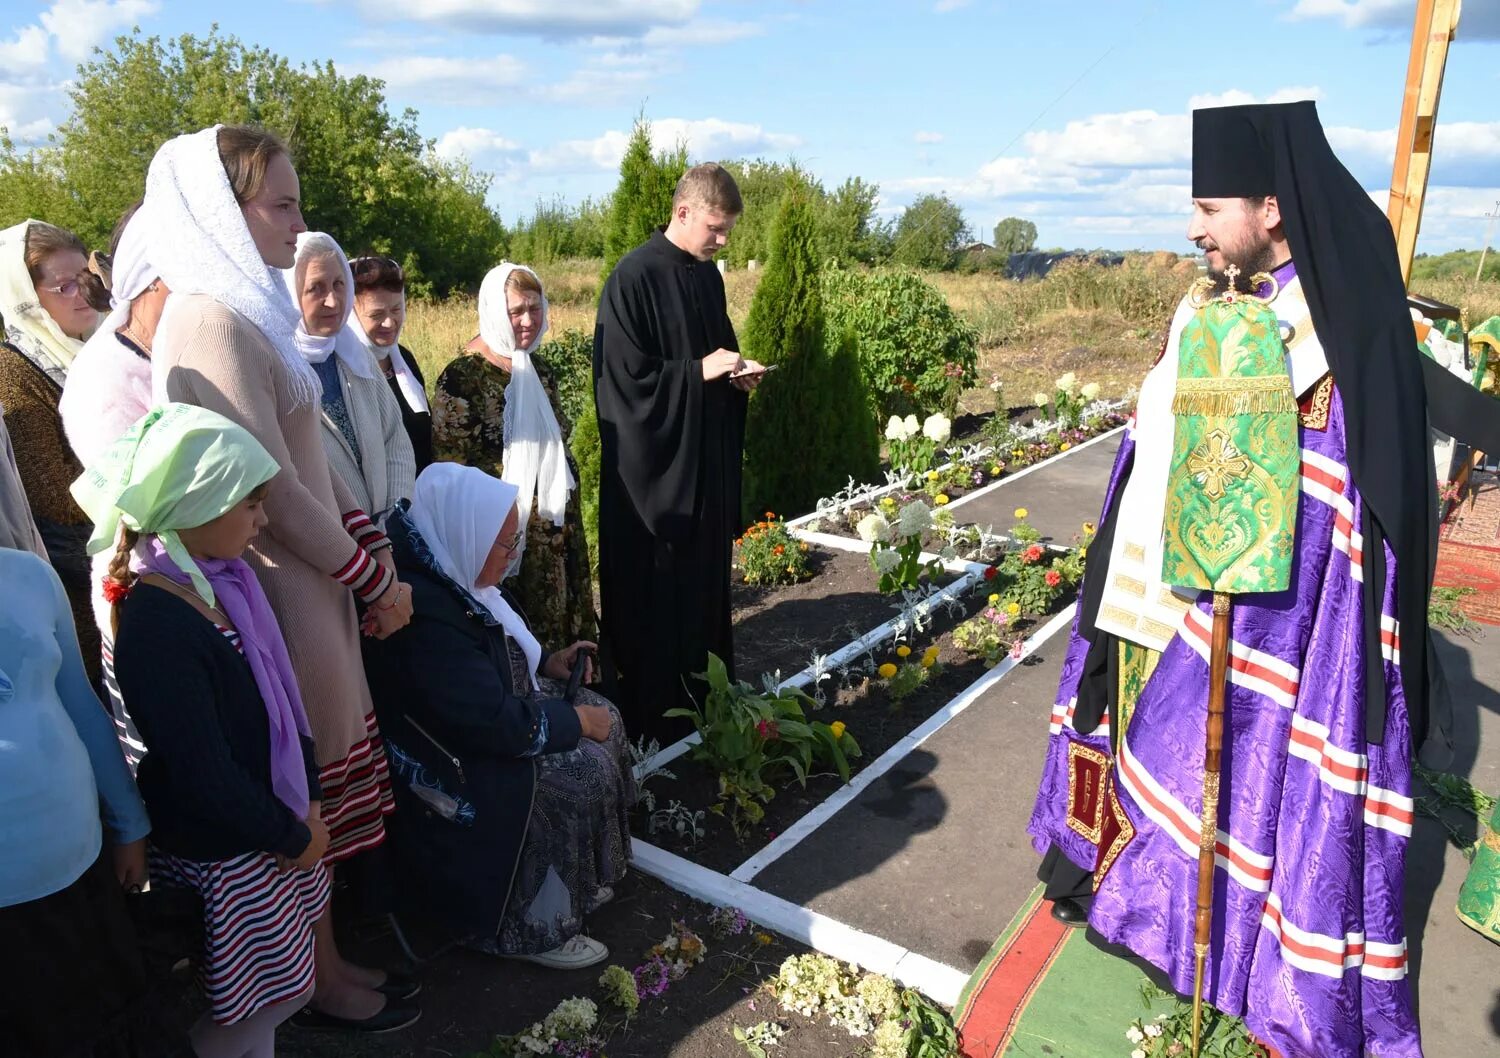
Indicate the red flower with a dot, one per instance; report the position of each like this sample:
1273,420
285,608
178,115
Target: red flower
1053,578
114,591
991,573
768,730
1032,553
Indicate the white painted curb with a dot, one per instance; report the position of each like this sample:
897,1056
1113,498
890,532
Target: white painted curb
937,980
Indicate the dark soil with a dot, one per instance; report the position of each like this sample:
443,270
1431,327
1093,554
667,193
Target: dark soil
874,720
780,628
468,998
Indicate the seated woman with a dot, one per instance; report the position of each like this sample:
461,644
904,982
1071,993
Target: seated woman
512,803
496,408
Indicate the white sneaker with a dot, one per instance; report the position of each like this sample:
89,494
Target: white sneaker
603,895
574,954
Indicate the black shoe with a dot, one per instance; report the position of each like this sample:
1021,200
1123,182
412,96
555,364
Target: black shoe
394,1015
399,986
1070,912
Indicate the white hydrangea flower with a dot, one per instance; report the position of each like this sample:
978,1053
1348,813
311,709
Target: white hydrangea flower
1153,1031
915,518
1068,383
895,430
938,427
1137,1053
885,560
1090,391
911,426
1040,399
873,528
1134,1035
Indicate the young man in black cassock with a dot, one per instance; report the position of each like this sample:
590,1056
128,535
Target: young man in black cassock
670,389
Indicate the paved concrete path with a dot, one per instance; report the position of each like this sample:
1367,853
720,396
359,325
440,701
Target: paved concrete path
1060,496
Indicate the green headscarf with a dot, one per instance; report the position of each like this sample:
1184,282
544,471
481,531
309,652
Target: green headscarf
178,467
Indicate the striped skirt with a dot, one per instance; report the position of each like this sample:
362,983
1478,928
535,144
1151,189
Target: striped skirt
258,928
357,796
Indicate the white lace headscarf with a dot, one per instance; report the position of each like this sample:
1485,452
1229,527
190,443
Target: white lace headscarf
347,342
200,243
535,457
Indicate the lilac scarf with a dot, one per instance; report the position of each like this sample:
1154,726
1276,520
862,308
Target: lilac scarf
244,602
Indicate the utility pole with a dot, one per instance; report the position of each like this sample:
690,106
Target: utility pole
1489,230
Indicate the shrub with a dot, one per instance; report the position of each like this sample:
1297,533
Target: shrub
915,352
804,407
584,445
569,357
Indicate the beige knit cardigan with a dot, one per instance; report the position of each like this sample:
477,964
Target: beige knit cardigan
387,468
207,354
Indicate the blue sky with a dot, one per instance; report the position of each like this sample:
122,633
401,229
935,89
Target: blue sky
1072,113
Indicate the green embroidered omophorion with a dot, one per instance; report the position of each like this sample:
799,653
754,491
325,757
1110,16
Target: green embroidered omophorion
1236,459
1479,899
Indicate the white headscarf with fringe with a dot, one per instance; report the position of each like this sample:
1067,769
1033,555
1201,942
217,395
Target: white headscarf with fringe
535,457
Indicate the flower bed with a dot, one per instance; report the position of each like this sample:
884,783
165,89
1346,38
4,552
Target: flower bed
878,699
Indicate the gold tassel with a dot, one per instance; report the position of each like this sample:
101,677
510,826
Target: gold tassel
1254,395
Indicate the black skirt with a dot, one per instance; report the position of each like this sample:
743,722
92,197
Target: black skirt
71,975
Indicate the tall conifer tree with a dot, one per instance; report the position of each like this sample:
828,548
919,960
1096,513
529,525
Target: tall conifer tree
642,201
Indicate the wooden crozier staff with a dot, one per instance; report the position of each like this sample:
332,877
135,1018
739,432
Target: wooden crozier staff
1231,507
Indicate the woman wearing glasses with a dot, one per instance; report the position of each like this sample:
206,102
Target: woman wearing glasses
497,410
379,314
46,320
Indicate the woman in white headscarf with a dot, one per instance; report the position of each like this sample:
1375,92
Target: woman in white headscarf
107,391
496,409
45,319
363,435
225,216
514,799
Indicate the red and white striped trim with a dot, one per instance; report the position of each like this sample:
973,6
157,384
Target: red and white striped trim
1390,639
1062,716
1330,956
1323,479
1249,868
1254,670
1349,772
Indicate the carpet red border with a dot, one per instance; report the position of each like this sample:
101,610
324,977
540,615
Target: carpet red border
996,1005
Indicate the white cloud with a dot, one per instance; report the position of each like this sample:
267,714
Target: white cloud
79,26
701,34
607,78
1479,19
26,53
548,18
25,111
706,139
1236,97
442,79
483,147
927,137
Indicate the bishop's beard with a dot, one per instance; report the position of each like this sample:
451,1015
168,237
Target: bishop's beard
1249,261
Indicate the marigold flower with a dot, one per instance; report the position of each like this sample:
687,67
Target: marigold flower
1065,446
1053,578
942,499
1021,512
1089,527
770,514
928,660
903,651
778,550
1013,608
837,729
886,671
932,475
997,469
802,546
993,599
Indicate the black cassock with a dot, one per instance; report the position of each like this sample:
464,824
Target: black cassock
669,482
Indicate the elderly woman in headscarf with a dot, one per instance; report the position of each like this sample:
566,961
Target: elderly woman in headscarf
363,435
229,774
225,219
496,409
514,801
46,317
107,391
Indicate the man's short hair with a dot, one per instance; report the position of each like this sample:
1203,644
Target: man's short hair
709,185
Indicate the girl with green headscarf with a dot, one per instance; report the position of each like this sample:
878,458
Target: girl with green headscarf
229,772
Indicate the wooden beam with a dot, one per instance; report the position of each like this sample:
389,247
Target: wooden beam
1432,33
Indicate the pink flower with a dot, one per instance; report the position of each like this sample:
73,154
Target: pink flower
768,730
1053,578
1016,648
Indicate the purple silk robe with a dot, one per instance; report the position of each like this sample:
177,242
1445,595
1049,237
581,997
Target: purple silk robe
1309,944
